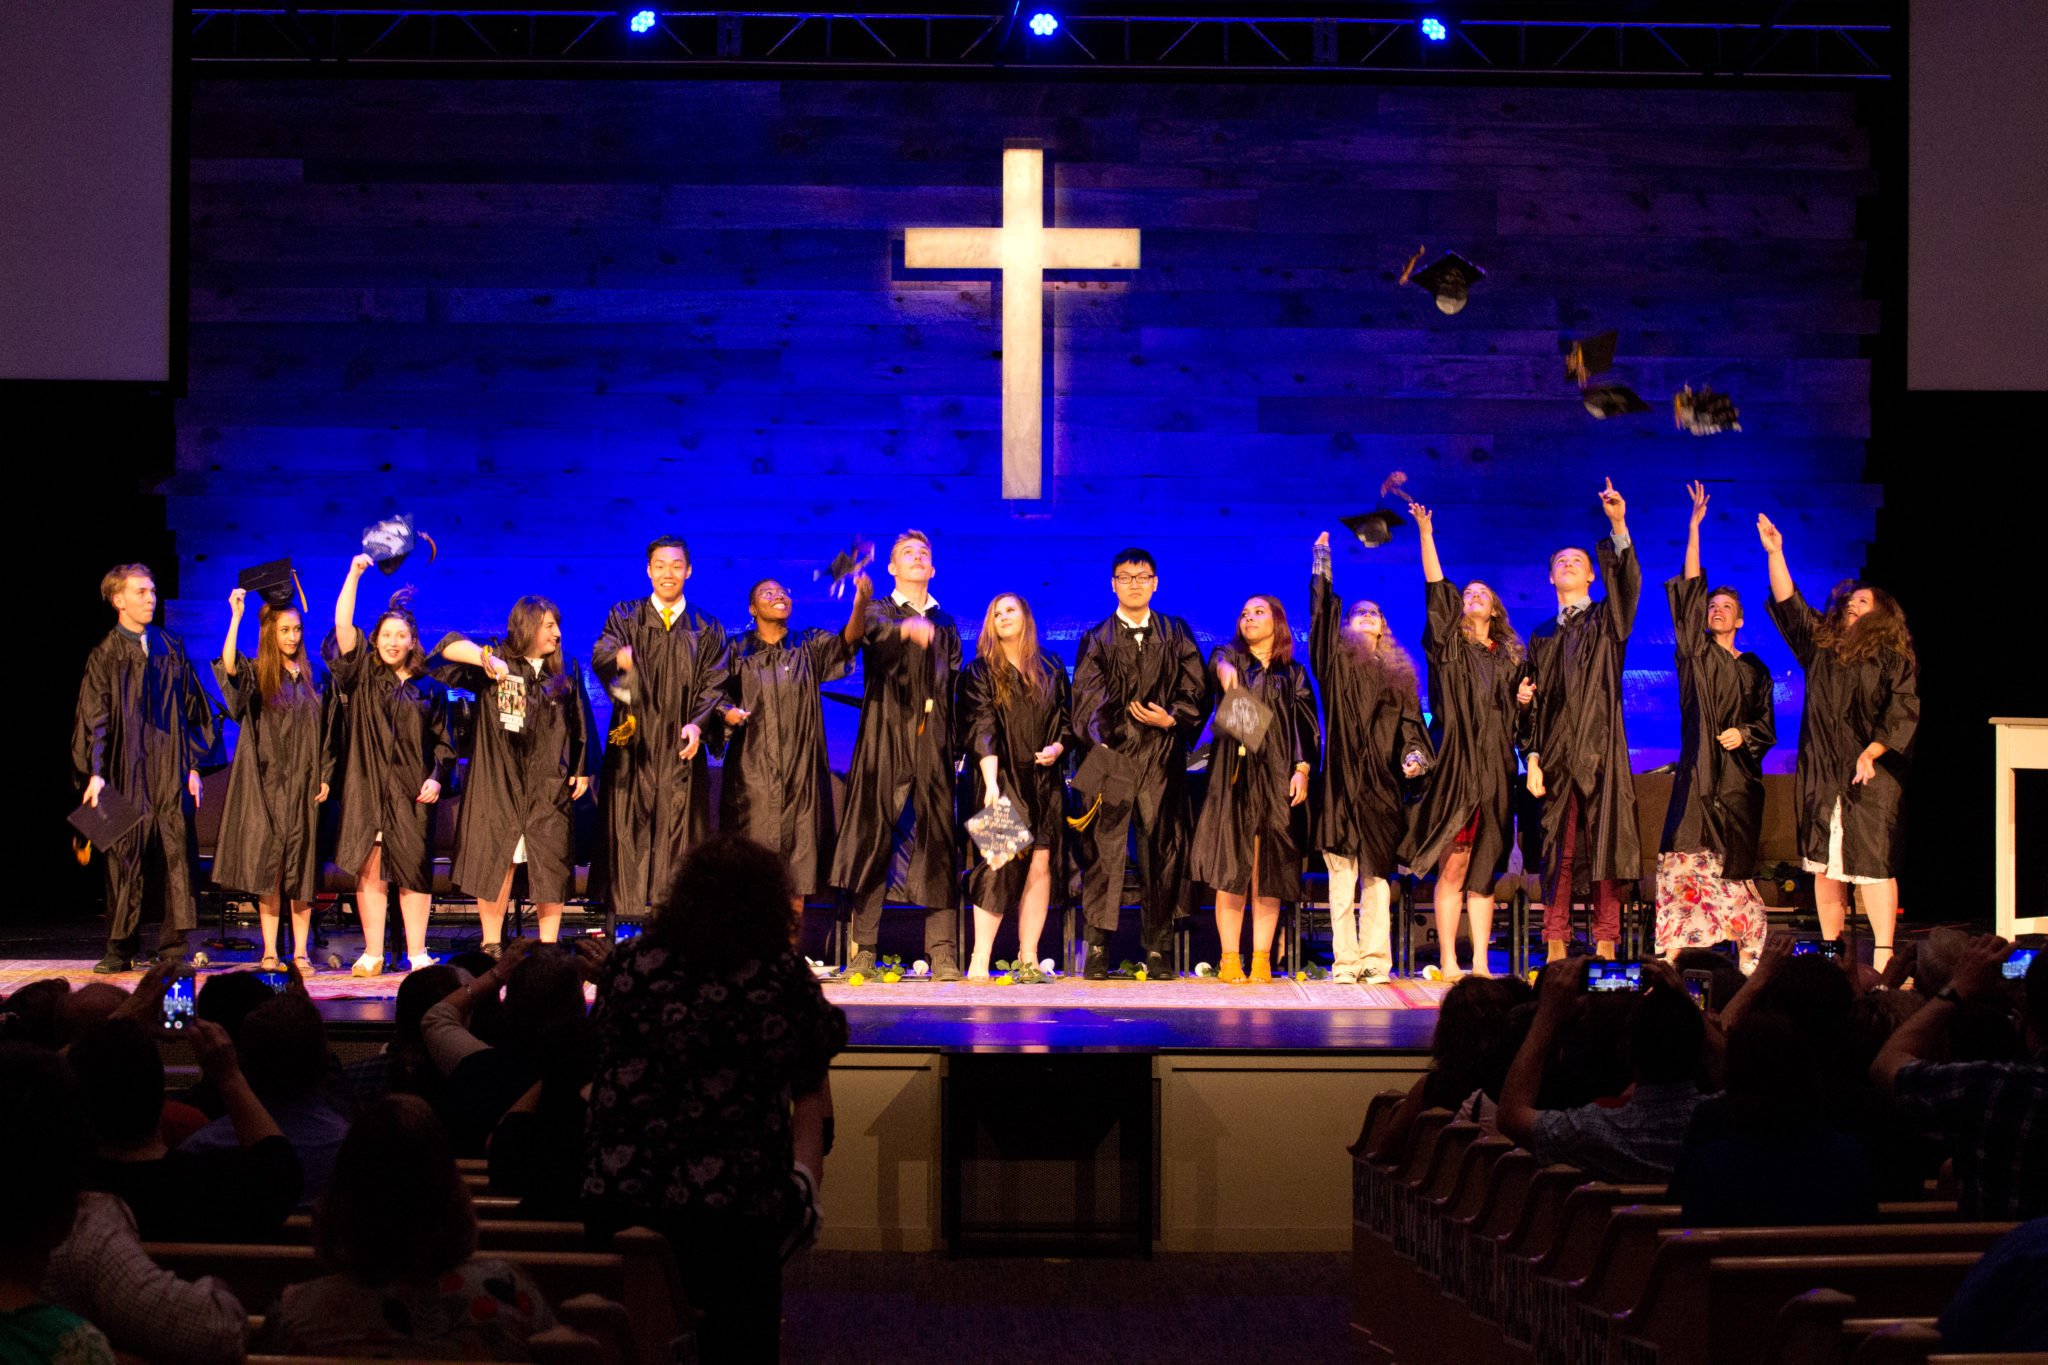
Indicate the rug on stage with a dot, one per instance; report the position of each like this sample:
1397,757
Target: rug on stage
1064,993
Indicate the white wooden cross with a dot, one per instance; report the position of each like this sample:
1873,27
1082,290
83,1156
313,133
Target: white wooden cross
1023,248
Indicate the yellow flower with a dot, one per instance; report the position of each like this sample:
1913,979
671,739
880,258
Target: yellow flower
856,980
891,978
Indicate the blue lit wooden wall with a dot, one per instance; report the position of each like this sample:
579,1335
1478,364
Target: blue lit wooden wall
553,319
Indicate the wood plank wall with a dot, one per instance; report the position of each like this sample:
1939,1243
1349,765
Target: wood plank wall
555,318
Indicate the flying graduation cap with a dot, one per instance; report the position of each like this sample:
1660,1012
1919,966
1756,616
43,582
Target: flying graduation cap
392,539
1377,527
1705,413
1594,355
1613,400
846,564
276,583
1449,278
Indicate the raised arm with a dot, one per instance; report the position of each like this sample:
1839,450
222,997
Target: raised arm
1774,549
230,649
345,633
1326,613
1618,560
1425,527
856,628
1700,498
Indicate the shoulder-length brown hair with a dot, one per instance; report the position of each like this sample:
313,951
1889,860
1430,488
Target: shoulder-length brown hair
1030,666
396,1209
1388,661
1881,631
400,610
274,683
520,629
1498,630
1283,634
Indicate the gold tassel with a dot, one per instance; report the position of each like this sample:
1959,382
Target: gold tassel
1409,268
1081,822
623,731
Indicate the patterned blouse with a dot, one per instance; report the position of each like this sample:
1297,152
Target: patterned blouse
690,1107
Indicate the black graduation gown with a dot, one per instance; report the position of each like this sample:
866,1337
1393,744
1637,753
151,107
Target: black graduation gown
397,738
1576,730
1848,706
1717,795
656,806
518,781
1247,796
143,723
270,822
1472,698
778,773
1014,734
903,751
1369,728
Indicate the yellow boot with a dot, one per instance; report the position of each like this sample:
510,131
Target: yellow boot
1262,969
1232,971
1555,948
1604,949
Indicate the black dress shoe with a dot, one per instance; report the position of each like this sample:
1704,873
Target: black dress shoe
1097,968
113,962
1157,968
946,967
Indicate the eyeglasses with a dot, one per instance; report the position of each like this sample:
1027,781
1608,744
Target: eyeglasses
1132,580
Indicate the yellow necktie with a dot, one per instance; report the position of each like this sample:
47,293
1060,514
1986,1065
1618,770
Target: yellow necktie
668,619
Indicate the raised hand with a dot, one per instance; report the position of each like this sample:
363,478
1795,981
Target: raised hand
1697,491
237,601
360,565
1612,504
1770,535
1323,541
1425,520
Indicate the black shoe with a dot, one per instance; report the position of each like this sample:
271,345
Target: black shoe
114,961
1157,968
1097,968
946,967
862,961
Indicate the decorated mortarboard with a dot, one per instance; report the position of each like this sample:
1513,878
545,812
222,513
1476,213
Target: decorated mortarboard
112,820
846,564
999,832
1243,717
1449,278
1594,355
275,583
1705,413
1613,400
389,541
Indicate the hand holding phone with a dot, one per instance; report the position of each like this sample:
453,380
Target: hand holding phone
1700,987
180,1001
2017,963
1614,976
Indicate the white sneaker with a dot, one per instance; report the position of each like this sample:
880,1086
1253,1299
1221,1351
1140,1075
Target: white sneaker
1373,976
1344,975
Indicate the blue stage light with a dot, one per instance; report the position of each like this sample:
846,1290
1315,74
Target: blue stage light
1434,30
642,21
1044,23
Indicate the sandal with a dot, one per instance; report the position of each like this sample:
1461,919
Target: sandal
304,964
369,964
415,961
270,964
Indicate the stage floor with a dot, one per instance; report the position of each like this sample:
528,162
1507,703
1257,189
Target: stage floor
1190,1014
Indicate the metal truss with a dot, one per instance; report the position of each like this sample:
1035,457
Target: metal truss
1555,45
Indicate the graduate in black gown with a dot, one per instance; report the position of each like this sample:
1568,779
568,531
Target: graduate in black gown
665,665
534,752
1013,706
778,774
899,786
1577,746
142,727
1249,837
1478,684
269,826
400,757
1373,738
1855,742
1708,856
1140,692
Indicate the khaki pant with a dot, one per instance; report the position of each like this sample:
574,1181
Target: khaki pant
1358,945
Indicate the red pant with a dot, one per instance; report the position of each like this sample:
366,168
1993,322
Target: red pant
1557,912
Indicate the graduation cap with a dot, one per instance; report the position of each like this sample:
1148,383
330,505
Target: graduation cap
846,564
276,583
1705,413
1613,400
1449,277
1374,528
392,539
999,832
1103,775
1584,359
1243,717
112,820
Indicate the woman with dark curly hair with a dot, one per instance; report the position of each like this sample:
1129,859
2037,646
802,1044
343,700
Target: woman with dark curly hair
1469,1053
1855,741
711,1105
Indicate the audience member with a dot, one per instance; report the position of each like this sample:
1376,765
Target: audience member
542,1026
2000,1306
1992,1115
1639,1140
102,1272
1470,1021
398,1231
41,1131
31,1013
402,1066
284,1056
711,1014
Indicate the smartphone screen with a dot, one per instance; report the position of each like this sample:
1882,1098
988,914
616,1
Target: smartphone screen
1829,947
178,999
1700,986
279,982
622,932
1614,976
2016,965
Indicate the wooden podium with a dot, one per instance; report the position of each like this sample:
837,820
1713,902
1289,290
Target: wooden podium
2021,811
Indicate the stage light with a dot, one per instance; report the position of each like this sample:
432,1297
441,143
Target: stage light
1044,23
642,21
1434,30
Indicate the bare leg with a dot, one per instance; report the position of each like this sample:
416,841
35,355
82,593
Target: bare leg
986,923
1831,903
1881,905
547,920
1230,921
1480,908
1032,907
490,914
1265,922
414,907
302,935
373,900
266,916
1450,898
